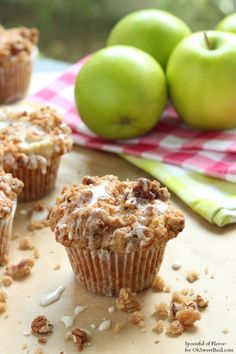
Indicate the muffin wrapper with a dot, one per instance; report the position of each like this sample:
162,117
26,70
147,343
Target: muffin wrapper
5,235
36,183
105,272
15,80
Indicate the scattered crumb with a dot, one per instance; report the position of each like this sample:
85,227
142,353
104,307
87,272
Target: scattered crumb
36,253
225,331
136,318
3,296
20,270
157,341
161,310
212,276
192,276
175,328
187,292
160,285
117,327
188,316
80,338
128,301
42,340
201,301
26,244
111,309
159,327
6,280
41,325
38,351
3,307
176,265
206,270
39,217
24,346
57,266
15,235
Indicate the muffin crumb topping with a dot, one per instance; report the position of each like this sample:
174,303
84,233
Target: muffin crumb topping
128,301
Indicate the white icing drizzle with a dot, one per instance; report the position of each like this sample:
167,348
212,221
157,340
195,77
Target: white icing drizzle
68,321
104,325
99,192
52,296
160,206
79,309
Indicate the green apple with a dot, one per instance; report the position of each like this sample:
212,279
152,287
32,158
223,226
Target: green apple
120,92
228,24
154,31
201,77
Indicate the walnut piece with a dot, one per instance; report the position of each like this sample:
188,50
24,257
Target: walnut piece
80,338
41,325
36,253
42,340
159,327
128,301
6,280
175,328
20,270
161,310
136,318
192,276
201,301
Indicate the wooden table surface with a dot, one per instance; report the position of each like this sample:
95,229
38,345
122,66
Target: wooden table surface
199,246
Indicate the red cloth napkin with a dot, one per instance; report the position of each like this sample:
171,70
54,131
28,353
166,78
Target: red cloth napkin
211,153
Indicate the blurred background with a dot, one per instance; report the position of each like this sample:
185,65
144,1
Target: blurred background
71,28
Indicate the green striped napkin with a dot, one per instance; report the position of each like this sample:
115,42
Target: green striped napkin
213,199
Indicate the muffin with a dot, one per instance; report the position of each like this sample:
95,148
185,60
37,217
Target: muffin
9,189
32,140
114,232
17,53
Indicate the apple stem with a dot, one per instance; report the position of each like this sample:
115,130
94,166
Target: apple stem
208,43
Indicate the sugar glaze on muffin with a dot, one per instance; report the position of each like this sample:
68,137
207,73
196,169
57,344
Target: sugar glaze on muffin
105,213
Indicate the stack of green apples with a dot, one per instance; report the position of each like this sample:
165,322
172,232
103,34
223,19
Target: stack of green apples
151,55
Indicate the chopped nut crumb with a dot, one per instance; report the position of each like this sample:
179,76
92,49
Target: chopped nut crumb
136,318
160,285
20,270
26,244
41,325
57,266
175,328
192,276
6,280
3,296
128,301
159,327
161,310
80,338
3,307
38,225
36,253
117,327
201,302
42,340
188,316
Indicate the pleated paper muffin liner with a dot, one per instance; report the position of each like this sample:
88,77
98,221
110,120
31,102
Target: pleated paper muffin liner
5,235
15,79
105,272
36,183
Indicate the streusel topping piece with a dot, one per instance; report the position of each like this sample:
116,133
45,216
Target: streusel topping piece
9,189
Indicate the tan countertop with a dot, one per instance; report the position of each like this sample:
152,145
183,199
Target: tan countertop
201,245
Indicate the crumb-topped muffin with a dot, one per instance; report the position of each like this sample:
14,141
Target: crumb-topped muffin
9,189
17,53
115,232
32,140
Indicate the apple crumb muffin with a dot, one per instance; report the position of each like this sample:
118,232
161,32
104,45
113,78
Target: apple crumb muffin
17,53
115,232
32,140
9,189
